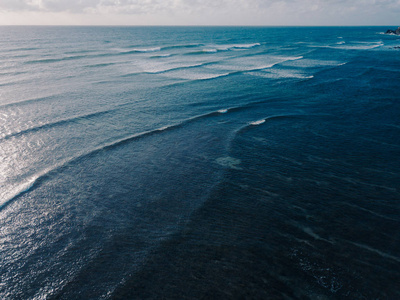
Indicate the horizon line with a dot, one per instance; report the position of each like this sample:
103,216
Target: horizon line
153,25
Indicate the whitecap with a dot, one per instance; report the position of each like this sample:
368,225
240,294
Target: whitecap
163,128
245,46
210,50
216,48
257,122
19,190
223,111
153,49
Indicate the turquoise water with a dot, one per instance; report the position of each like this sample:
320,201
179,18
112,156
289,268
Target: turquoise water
199,163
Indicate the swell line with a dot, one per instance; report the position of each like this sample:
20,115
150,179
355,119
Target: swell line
51,60
39,178
27,101
170,69
269,118
184,67
55,124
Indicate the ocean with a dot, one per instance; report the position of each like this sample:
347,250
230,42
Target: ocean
199,163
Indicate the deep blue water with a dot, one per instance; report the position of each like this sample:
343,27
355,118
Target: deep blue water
199,163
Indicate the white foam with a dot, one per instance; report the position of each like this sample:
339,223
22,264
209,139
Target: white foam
163,128
227,47
245,46
26,186
210,50
223,111
257,122
153,49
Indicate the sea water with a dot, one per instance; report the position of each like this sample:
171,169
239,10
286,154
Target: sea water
199,163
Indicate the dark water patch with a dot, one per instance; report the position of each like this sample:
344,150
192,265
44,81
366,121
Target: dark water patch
274,228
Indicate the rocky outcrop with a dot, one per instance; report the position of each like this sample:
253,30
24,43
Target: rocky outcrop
390,31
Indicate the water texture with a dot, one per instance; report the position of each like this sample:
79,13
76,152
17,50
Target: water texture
199,163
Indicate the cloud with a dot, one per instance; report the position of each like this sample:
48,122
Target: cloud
151,6
259,12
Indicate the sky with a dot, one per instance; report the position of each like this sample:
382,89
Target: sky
200,12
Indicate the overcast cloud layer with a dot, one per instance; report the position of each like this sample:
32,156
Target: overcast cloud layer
193,12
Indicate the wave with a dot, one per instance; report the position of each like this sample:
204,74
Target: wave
27,101
235,46
20,190
100,65
313,63
153,49
37,179
13,73
52,60
10,83
55,124
140,50
161,55
209,76
269,118
219,48
359,47
281,74
181,46
77,57
192,71
199,76
262,121
176,68
246,45
251,64
258,122
354,46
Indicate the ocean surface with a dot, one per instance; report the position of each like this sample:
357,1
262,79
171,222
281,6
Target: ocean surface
199,163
